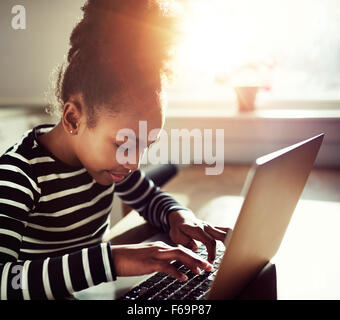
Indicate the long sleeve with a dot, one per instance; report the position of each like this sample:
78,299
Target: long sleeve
139,192
58,277
47,278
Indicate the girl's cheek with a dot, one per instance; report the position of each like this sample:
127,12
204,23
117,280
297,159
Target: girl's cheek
126,155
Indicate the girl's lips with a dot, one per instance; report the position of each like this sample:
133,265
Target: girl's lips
116,177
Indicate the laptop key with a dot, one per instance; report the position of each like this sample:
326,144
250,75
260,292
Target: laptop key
194,282
184,269
145,295
147,284
142,291
176,296
201,277
167,291
176,285
167,280
205,285
195,294
191,275
157,288
131,296
161,297
156,278
185,289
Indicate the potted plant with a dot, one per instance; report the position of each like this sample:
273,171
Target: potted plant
247,80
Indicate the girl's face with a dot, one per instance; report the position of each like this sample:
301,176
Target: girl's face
98,148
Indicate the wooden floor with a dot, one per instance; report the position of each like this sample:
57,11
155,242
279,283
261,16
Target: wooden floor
202,193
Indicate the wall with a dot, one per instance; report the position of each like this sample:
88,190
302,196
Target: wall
28,56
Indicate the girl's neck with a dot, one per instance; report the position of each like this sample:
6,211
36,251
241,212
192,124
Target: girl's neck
58,143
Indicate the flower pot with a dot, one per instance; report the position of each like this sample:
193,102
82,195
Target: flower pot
246,97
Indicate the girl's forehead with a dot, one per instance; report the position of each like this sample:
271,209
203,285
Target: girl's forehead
143,106
147,120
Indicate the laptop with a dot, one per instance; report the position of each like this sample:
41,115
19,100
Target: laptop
271,193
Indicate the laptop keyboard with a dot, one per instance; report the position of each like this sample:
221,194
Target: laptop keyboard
162,286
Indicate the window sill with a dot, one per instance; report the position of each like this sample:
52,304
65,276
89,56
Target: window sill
250,135
256,114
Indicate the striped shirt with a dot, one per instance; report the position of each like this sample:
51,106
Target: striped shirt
53,217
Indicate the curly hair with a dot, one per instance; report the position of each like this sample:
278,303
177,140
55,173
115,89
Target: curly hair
118,50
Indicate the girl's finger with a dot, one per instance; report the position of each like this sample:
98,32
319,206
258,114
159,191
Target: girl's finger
187,241
225,229
216,233
199,234
173,271
187,257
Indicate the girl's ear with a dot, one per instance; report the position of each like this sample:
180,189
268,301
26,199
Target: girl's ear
71,116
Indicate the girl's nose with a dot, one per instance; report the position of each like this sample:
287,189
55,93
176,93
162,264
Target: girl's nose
131,166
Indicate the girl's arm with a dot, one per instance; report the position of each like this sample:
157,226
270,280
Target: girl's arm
49,278
161,210
55,278
140,193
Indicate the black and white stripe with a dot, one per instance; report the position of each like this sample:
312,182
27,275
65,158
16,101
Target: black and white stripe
143,195
53,217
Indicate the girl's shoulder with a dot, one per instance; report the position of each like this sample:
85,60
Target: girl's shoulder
17,164
27,148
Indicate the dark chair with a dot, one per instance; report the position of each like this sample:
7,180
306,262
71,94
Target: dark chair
161,174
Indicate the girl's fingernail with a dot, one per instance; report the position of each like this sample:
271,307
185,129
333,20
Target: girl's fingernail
209,266
184,277
193,247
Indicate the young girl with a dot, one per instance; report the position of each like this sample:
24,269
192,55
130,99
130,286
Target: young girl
57,183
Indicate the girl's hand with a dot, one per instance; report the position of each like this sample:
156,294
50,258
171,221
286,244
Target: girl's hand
185,228
145,258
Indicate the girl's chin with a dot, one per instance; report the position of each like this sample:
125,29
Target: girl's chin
106,178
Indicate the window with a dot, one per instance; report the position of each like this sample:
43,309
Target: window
289,47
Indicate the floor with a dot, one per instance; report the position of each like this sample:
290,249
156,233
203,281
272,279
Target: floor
202,193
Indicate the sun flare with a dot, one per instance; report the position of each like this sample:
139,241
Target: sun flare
221,37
